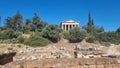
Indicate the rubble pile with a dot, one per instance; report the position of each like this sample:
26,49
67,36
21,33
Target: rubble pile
30,53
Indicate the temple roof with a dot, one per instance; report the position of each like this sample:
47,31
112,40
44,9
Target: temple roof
69,21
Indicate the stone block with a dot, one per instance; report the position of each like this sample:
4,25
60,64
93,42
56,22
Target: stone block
100,66
115,65
100,62
92,66
90,62
82,62
83,66
108,66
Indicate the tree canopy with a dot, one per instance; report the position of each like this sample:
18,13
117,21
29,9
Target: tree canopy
52,32
15,22
118,30
76,35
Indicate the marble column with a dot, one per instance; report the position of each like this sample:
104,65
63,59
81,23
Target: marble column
62,26
65,27
68,27
71,26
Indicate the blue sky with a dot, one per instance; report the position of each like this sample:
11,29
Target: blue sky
105,13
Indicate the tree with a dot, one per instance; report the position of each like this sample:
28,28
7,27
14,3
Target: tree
41,26
90,25
76,35
90,21
118,30
35,21
28,21
8,34
52,32
91,28
27,27
14,22
37,25
111,37
9,24
99,29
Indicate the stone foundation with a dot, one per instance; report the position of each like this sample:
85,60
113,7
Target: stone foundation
67,63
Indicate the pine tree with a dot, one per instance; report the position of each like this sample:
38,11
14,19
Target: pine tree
36,22
15,22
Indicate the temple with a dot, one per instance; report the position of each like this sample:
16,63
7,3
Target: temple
69,24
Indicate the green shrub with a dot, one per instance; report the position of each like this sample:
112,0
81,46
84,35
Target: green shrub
76,35
91,39
36,41
13,40
105,43
9,34
3,36
112,37
52,32
65,34
21,39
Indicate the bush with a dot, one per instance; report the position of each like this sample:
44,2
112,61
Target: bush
91,39
76,35
14,41
65,34
112,37
105,43
52,32
21,39
8,34
3,36
36,41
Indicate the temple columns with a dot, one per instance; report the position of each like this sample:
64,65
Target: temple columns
65,27
68,27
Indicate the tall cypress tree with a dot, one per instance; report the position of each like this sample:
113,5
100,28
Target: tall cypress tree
90,21
0,20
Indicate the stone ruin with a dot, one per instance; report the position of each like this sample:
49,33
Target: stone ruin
51,52
95,52
67,63
87,52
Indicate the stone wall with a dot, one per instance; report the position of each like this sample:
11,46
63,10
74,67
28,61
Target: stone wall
68,63
6,58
